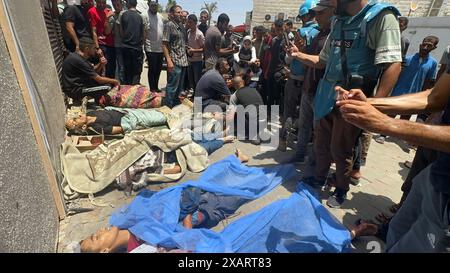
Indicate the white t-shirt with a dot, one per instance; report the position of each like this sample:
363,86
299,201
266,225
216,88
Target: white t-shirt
153,42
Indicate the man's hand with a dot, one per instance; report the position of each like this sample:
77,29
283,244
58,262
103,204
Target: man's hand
353,94
116,84
292,48
170,66
363,115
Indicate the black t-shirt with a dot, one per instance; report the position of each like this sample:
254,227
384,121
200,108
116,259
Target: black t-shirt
226,42
77,15
106,120
278,54
248,96
211,86
203,28
77,74
133,27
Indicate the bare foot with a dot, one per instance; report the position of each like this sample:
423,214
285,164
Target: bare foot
242,157
228,139
187,221
174,170
364,229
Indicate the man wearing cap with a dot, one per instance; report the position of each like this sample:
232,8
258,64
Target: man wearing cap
292,90
324,11
362,51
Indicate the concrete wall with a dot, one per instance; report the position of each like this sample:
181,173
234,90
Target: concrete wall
290,7
28,217
273,7
419,28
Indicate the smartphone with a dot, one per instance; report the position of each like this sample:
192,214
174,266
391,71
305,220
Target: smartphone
286,39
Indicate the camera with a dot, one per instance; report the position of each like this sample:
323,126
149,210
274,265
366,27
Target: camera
354,81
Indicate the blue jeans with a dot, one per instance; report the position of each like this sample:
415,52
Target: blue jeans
194,73
208,141
305,123
175,84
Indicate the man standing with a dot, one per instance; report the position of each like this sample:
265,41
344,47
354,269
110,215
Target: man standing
273,73
258,42
77,24
364,43
115,24
99,17
133,33
292,90
153,45
196,42
403,22
324,11
227,43
418,74
174,48
213,40
203,26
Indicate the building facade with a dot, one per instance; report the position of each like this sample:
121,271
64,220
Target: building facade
267,11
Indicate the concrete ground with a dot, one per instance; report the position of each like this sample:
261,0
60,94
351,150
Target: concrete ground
382,178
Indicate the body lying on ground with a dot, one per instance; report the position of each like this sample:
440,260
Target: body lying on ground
115,121
198,209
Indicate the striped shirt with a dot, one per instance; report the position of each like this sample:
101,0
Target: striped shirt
176,40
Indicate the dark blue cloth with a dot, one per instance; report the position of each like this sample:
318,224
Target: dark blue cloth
215,208
414,74
210,145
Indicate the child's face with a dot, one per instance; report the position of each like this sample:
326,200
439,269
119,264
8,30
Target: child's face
247,44
102,241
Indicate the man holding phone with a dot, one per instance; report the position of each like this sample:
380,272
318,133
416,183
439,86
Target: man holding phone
292,90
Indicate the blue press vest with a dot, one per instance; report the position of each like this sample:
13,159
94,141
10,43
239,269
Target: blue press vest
308,32
360,58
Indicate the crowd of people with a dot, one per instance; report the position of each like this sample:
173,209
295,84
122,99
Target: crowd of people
343,75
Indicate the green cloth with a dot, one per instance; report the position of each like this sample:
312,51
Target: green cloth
136,119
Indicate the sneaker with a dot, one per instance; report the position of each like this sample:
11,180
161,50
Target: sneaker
380,139
336,200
